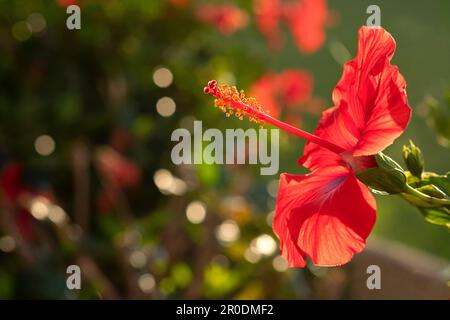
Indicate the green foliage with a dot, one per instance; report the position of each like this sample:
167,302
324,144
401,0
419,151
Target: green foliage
439,216
439,117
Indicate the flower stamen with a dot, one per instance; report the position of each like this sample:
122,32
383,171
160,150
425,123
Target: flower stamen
231,101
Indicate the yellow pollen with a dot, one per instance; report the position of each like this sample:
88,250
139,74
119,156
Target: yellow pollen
232,101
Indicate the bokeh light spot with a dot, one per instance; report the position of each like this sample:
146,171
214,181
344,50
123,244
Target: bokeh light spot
146,283
7,244
44,145
196,212
264,244
39,208
21,31
162,77
138,259
166,106
163,179
37,22
56,214
228,231
168,184
279,264
251,255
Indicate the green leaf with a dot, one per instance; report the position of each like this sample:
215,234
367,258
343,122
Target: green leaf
442,182
432,191
439,216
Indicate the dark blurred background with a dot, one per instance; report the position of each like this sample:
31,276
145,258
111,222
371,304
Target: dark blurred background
86,118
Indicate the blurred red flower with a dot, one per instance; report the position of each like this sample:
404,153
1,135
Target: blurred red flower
117,168
328,214
226,18
306,20
11,182
66,3
14,191
265,90
268,15
289,88
118,172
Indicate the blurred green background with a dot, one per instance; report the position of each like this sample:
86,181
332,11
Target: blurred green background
85,152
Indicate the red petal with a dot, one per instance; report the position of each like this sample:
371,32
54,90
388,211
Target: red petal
371,109
371,94
288,194
330,128
326,215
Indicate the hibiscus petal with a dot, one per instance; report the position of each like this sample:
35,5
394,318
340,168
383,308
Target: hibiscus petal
287,196
371,108
371,94
331,128
316,218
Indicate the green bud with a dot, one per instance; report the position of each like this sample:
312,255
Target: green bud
413,159
387,177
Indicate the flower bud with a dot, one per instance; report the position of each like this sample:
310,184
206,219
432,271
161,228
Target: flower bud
413,159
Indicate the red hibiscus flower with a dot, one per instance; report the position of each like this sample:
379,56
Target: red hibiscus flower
226,18
306,20
327,214
289,88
